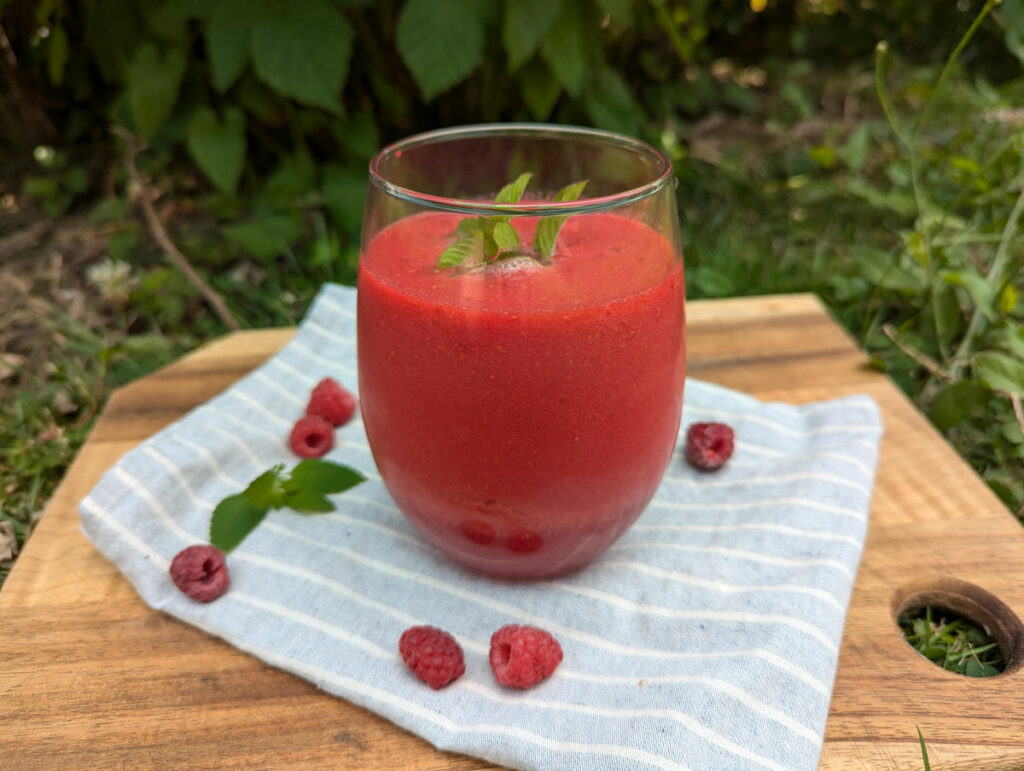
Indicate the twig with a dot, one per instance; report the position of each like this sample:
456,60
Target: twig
1017,410
159,233
25,239
928,363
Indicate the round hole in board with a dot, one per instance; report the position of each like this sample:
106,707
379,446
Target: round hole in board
971,602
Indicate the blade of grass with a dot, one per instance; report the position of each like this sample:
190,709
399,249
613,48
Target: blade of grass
924,749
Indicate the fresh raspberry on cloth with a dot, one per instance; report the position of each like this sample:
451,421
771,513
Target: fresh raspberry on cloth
522,656
330,401
311,437
432,655
709,445
200,572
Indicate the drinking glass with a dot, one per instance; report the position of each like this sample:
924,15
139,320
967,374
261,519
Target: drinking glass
523,403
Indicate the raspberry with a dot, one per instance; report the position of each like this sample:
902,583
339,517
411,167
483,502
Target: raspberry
709,445
311,437
522,656
199,571
432,655
523,541
331,402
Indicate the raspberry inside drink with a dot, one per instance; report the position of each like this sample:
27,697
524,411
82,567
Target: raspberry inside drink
522,415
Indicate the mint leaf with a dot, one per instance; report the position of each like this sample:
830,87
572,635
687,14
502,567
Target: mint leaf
218,147
233,519
440,41
308,502
545,239
505,236
303,491
514,190
265,491
153,82
302,50
322,476
526,24
467,246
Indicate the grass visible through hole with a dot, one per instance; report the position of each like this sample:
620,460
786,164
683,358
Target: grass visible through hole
951,641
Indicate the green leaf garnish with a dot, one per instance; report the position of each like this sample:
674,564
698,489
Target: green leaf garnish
322,476
265,490
514,190
546,236
505,236
303,490
233,519
486,239
466,246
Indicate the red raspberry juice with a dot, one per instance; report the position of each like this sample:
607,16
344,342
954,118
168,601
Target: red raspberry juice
522,419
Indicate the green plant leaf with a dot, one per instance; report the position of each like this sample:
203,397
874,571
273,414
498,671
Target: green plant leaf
924,750
619,10
999,372
956,402
1008,299
513,191
824,155
359,135
227,39
854,151
233,519
897,201
466,247
57,54
308,502
266,236
712,282
153,81
218,147
440,41
526,24
545,239
322,476
292,178
885,270
1013,339
505,236
344,193
266,491
565,48
112,32
610,104
980,290
302,50
539,88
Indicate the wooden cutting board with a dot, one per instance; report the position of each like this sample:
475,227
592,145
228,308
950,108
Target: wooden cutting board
91,677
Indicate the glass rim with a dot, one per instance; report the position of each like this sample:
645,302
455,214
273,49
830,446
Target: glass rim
661,177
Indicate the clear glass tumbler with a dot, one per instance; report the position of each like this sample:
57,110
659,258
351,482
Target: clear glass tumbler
521,360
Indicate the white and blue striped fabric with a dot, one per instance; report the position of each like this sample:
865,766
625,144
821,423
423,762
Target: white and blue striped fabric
707,637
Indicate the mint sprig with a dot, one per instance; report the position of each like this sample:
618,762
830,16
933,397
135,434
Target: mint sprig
479,240
303,490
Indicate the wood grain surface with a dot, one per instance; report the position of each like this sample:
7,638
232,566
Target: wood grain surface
92,678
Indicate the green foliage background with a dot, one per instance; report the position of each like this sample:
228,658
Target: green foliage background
259,117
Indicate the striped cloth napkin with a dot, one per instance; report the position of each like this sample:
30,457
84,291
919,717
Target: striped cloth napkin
707,637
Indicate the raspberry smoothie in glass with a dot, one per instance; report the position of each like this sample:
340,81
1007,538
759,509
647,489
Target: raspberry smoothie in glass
522,404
